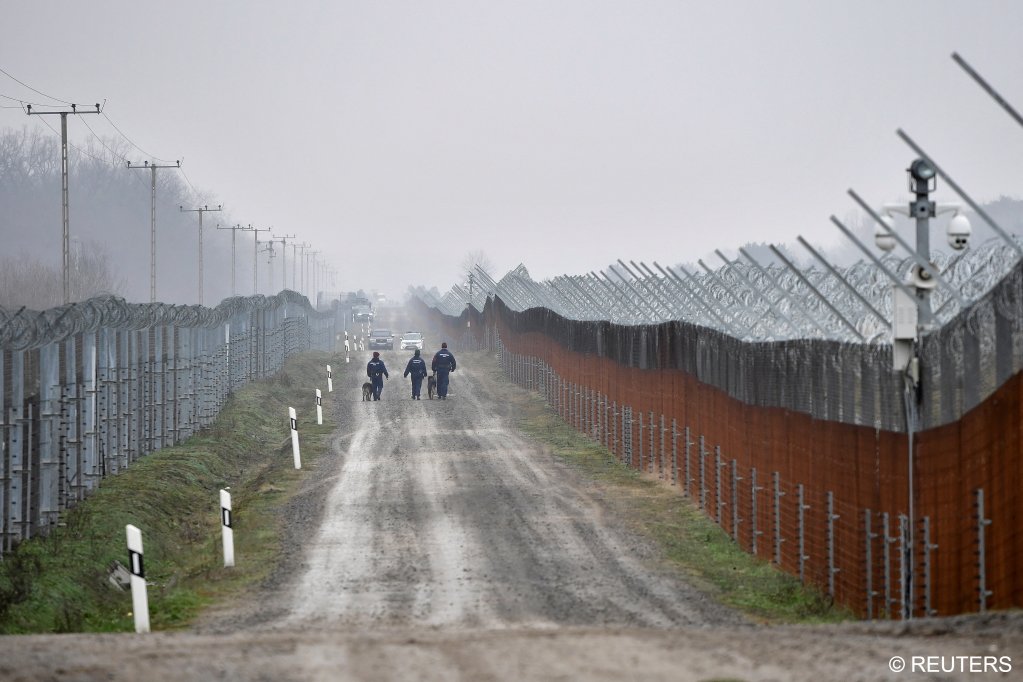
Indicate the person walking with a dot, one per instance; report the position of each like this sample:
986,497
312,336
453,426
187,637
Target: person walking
417,368
376,371
443,363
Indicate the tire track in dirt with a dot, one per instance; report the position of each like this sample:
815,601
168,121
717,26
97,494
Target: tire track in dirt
441,515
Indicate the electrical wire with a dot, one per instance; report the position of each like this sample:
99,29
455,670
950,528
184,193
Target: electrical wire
189,182
132,143
22,102
100,139
76,148
56,99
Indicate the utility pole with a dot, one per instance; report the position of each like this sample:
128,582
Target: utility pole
294,266
301,263
270,266
255,255
200,211
234,230
284,259
152,229
66,249
311,274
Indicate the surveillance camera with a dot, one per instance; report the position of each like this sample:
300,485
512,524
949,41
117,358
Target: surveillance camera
884,238
959,232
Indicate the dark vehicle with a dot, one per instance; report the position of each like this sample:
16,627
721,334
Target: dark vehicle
362,310
381,338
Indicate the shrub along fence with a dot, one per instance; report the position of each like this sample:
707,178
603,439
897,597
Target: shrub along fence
88,388
802,450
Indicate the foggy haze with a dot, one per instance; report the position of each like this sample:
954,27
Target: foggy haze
397,137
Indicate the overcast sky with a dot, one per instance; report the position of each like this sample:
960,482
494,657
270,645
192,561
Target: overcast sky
562,134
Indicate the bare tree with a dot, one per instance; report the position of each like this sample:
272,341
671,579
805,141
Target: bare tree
472,260
29,282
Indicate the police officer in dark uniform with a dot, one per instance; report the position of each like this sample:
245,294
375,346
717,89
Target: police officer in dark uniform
417,368
376,371
443,363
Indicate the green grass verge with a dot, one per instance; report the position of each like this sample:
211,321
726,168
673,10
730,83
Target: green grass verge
59,583
689,540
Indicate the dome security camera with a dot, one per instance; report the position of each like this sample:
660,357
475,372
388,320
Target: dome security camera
959,232
883,238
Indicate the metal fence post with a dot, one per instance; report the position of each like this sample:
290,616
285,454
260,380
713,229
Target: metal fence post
869,572
832,570
688,471
982,523
674,451
905,608
754,513
778,539
719,499
653,439
801,529
735,501
614,429
928,547
703,476
662,474
626,435
887,557
47,475
641,441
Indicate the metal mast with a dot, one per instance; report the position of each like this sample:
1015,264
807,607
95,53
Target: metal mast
66,248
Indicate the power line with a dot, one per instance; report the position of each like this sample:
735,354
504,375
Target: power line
73,146
132,143
22,102
194,190
96,158
122,158
55,99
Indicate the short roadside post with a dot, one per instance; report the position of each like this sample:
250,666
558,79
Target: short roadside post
225,522
139,599
330,380
294,437
319,407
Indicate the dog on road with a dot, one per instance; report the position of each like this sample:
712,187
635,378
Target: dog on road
431,385
367,391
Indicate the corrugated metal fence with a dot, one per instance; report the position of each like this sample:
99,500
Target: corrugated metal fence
88,388
800,450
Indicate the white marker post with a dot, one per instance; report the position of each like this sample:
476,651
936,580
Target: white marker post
139,600
225,522
330,380
294,437
319,407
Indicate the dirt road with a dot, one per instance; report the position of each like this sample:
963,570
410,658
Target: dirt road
435,543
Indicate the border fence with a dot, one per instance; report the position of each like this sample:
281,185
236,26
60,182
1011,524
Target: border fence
88,388
804,451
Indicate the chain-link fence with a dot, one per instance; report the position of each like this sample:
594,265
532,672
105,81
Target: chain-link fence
88,388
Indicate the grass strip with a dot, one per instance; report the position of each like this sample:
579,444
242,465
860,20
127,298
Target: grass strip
59,583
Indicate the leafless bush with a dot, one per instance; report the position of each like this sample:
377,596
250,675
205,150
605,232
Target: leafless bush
29,282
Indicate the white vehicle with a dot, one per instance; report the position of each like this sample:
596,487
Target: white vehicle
411,340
